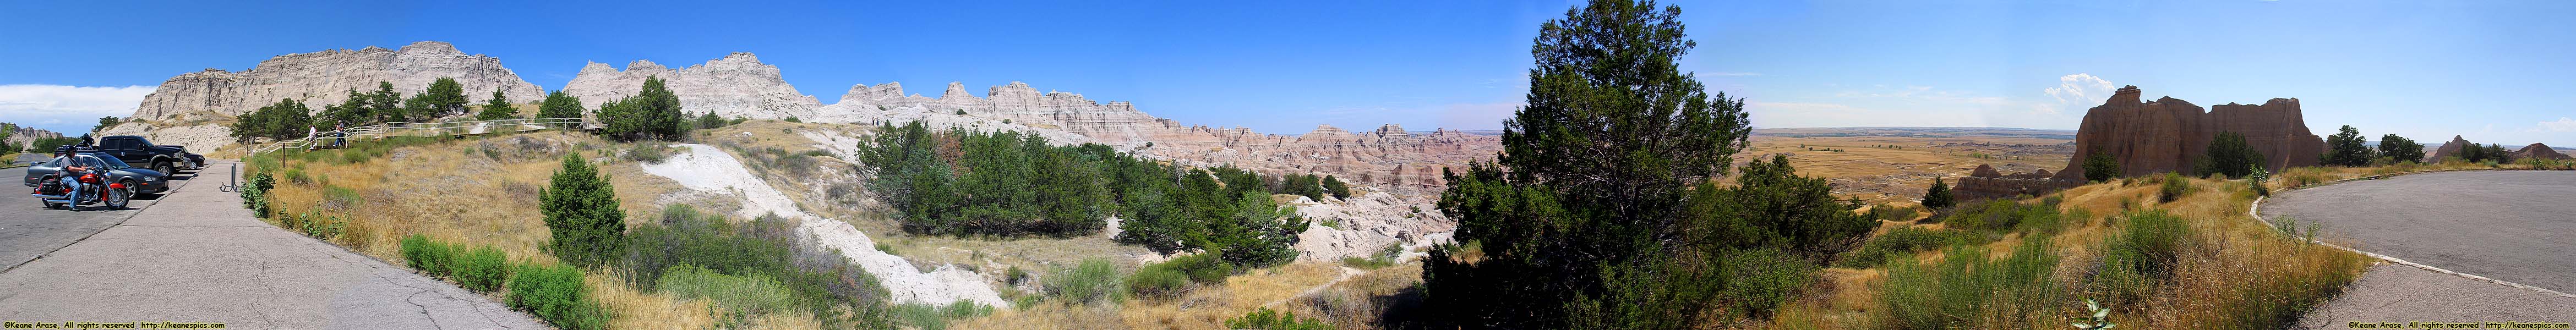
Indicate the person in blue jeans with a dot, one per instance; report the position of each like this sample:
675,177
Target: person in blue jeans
72,171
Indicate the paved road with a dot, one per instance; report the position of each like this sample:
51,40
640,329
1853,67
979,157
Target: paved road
2398,293
2516,226
197,256
28,230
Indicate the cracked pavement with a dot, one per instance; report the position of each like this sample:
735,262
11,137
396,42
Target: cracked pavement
196,255
2513,226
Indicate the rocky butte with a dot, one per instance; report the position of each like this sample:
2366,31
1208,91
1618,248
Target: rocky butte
1986,183
2539,151
2171,135
737,85
326,77
2450,149
182,111
1388,155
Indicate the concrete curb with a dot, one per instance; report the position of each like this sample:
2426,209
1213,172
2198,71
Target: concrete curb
2255,210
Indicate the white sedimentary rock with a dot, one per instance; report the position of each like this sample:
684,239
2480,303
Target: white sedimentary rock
326,77
737,85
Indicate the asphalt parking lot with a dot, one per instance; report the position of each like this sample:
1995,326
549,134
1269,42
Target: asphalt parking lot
2516,226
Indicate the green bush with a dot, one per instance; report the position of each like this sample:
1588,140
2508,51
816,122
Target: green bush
426,255
557,295
582,215
481,269
1938,195
739,295
2229,154
2100,167
647,153
1264,318
1384,257
1900,241
1157,283
1094,280
1760,280
1967,289
935,317
2176,186
255,193
761,247
1893,212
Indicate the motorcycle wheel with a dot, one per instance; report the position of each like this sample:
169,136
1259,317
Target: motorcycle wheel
116,198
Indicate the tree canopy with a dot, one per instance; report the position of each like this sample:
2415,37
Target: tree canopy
2228,154
2400,148
2343,149
1603,209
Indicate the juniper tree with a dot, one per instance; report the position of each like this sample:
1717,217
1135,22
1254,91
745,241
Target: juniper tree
560,105
2228,154
2344,148
2100,167
2400,148
445,97
498,108
1602,211
581,214
1938,196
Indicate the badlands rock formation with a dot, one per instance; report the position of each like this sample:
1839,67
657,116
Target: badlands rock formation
2451,149
2537,150
21,135
737,85
326,77
1387,155
1986,183
2171,135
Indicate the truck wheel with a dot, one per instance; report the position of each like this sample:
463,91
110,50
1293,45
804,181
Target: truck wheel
165,167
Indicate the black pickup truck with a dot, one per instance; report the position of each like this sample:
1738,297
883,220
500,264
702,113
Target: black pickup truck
135,150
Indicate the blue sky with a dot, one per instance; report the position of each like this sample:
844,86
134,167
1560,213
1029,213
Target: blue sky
2491,70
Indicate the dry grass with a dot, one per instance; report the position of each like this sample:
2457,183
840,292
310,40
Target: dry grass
1877,174
455,191
2233,272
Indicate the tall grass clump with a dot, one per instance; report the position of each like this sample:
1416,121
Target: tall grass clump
2174,188
1171,278
1997,216
1966,289
1900,241
557,295
936,317
1264,318
684,239
739,296
1094,280
2142,255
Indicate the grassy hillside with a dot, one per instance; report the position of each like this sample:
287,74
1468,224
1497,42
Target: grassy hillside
483,192
2226,270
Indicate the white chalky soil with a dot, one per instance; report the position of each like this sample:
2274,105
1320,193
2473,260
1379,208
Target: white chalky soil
706,168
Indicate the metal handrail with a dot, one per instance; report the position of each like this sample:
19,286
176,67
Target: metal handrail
452,128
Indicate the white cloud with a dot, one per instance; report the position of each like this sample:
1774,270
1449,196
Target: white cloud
2079,90
67,108
2563,124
